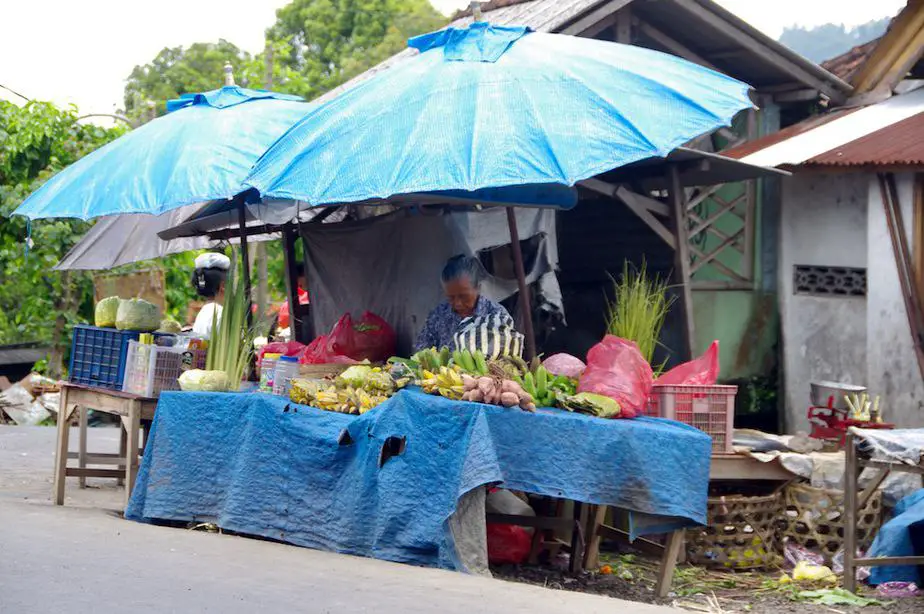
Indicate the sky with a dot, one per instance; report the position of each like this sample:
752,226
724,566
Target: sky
81,52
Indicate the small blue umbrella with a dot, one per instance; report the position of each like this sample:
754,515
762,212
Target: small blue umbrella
200,151
491,107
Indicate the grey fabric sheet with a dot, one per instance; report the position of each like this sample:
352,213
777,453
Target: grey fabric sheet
391,264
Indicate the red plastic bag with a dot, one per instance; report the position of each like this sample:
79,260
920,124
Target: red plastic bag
318,352
370,338
508,544
702,371
617,369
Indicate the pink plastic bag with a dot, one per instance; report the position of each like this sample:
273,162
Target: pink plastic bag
702,371
564,364
284,348
617,369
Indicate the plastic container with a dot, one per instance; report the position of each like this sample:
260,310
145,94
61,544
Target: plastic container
286,370
268,371
150,370
98,356
708,408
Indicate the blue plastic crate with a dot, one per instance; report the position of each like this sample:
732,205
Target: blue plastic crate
98,356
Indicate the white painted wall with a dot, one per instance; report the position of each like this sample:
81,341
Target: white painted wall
892,365
823,222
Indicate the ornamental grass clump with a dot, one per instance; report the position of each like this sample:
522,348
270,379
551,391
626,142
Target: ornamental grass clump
638,308
231,342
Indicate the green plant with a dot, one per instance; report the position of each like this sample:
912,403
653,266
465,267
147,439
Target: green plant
638,308
231,343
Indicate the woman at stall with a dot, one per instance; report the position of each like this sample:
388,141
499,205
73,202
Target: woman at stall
208,279
461,280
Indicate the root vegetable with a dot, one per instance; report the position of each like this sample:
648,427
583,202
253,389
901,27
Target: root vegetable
485,385
469,382
467,395
476,396
530,407
509,399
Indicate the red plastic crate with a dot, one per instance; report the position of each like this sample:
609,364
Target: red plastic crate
709,408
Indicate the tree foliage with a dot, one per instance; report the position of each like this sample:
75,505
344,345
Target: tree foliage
827,41
36,303
180,70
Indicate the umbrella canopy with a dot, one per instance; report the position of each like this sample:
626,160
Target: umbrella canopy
199,151
491,107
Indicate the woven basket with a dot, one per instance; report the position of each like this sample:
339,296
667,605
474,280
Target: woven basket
740,533
814,519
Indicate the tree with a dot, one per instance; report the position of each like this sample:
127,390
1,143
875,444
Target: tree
329,41
37,303
829,40
180,70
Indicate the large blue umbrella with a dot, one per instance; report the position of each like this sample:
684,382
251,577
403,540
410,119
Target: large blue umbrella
487,107
200,151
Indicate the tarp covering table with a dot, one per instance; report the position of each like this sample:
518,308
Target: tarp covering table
257,464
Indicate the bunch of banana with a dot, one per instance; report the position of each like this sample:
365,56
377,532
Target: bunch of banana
537,386
346,400
432,359
471,363
446,382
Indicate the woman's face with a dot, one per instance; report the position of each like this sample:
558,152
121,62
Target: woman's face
461,294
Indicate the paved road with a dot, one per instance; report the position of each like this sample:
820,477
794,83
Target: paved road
84,558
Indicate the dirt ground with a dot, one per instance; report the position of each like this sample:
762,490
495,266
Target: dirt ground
632,578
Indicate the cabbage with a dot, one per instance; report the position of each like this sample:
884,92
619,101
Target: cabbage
356,375
197,380
137,314
106,311
170,326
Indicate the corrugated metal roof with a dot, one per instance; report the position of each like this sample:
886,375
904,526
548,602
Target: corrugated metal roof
846,128
675,18
750,147
846,64
897,145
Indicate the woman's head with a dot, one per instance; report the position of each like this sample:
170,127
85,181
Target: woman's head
210,273
461,279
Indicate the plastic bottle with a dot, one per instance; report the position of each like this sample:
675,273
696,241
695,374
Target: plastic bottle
268,371
286,369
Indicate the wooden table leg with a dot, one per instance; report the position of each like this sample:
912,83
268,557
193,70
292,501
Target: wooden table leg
668,563
577,537
64,419
132,424
850,513
82,449
123,447
596,518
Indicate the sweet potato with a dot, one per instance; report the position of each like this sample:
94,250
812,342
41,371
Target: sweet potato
509,399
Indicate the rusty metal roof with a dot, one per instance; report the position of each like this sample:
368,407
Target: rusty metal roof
882,134
897,145
846,64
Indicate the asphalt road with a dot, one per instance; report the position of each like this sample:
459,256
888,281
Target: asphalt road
84,557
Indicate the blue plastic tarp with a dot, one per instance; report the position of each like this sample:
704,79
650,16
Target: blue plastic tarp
895,539
490,106
246,463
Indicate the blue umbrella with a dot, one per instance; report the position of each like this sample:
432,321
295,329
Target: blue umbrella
200,151
489,107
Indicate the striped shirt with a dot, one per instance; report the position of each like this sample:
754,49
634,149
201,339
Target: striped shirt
443,323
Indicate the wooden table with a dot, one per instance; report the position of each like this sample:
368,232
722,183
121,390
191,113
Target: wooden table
854,500
131,409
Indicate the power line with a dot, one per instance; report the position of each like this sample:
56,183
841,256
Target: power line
9,89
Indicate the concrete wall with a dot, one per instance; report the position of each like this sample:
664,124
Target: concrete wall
822,222
892,366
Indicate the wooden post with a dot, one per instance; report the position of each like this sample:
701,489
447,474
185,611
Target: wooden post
525,302
850,512
132,424
64,430
288,254
82,446
245,256
682,257
668,563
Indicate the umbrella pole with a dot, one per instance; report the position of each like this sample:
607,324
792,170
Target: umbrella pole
245,256
525,303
